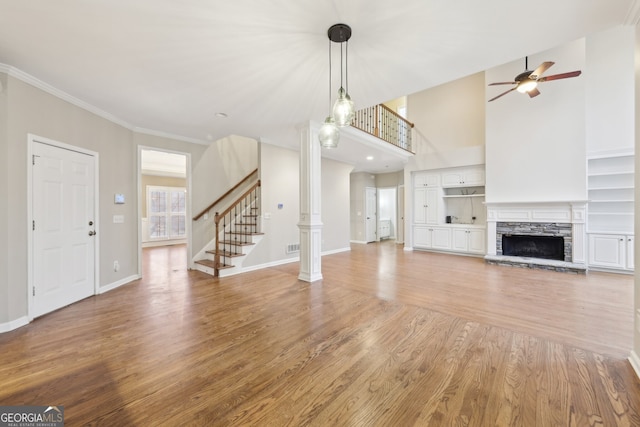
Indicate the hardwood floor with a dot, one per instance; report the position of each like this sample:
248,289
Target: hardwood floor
387,338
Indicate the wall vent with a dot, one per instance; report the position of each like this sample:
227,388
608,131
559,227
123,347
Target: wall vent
293,248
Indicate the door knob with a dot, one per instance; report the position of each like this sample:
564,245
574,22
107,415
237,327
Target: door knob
92,233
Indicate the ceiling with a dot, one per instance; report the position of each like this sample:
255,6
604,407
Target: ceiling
169,67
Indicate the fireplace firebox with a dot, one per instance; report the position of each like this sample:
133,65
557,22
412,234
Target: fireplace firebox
546,247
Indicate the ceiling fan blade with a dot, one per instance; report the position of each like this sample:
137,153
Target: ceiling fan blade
533,92
502,94
503,83
541,69
560,76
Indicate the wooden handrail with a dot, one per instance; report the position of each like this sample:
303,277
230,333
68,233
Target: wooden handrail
397,115
245,194
219,199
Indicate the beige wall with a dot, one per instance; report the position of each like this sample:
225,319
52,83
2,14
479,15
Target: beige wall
449,116
26,109
5,244
280,185
636,333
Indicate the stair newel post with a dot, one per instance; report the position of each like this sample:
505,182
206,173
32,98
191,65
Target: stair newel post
216,257
377,122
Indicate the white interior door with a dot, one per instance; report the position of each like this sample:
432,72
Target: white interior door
371,219
63,227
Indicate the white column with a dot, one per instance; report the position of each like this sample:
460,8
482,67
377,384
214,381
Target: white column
310,224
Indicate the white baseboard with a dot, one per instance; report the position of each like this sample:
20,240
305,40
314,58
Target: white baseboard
117,284
14,324
359,242
336,251
282,262
408,248
635,362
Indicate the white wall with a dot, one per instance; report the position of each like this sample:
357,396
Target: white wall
609,75
535,147
5,249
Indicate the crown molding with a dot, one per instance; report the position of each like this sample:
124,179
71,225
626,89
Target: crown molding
633,14
46,87
169,136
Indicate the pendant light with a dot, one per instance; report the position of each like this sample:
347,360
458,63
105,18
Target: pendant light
329,134
343,109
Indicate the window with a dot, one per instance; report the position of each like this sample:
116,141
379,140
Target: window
166,210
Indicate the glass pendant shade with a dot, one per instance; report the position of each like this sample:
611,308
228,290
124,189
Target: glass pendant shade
343,109
329,134
527,85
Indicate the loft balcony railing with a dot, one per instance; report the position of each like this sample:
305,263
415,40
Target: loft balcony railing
384,123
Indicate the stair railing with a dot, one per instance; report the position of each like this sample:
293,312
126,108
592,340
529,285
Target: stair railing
221,198
235,226
384,123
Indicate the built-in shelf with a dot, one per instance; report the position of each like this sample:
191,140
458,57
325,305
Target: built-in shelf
610,212
454,196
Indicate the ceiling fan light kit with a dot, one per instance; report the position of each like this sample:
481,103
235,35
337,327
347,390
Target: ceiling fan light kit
527,81
343,110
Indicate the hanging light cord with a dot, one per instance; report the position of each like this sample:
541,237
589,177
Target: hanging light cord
346,66
329,75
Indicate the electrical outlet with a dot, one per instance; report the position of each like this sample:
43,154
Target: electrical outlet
116,266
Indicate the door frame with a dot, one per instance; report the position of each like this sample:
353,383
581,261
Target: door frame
31,141
188,219
366,222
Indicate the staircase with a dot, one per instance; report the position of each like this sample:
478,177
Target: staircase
237,231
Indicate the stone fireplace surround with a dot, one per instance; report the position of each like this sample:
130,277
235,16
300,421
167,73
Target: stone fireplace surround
567,219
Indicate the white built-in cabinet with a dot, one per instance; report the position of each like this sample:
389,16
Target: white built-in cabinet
463,178
611,251
448,210
610,211
471,240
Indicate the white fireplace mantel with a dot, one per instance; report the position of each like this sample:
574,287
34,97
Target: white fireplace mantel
569,212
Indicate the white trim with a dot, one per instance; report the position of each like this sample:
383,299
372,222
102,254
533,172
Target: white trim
188,217
14,324
32,139
282,262
359,242
39,84
117,284
169,135
633,14
336,251
635,362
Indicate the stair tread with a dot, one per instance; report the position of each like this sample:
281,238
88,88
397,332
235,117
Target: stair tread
212,264
236,243
245,233
226,253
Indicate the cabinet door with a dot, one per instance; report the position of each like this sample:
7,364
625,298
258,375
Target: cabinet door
607,250
460,240
474,177
420,206
477,241
425,206
441,238
453,179
425,180
421,237
630,253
